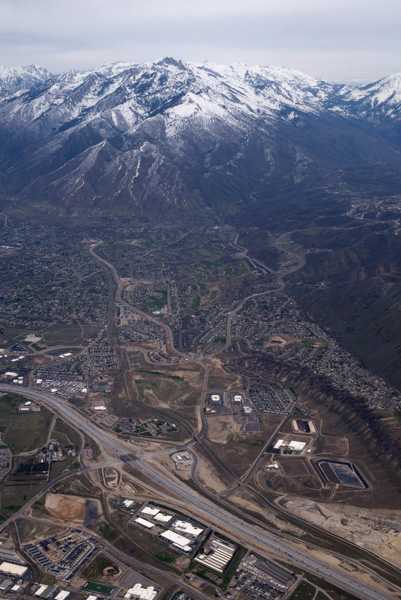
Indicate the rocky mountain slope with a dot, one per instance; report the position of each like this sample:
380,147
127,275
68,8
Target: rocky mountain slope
194,137
15,79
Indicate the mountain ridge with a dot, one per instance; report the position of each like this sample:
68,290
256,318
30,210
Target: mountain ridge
171,134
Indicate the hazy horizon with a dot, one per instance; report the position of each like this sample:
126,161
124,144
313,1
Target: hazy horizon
334,41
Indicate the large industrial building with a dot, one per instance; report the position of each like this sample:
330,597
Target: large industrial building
216,555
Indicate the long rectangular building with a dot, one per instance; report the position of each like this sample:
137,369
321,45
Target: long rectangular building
218,556
177,540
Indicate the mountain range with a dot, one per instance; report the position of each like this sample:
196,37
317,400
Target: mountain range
267,149
202,138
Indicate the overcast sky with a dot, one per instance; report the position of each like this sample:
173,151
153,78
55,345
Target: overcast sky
332,39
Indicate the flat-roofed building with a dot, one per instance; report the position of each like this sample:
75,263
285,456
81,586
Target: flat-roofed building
163,517
177,540
128,503
11,569
188,528
140,592
144,523
4,585
216,555
44,591
8,555
150,510
296,446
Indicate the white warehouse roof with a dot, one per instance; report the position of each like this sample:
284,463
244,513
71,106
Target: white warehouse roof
163,517
144,522
297,445
40,590
178,540
12,569
150,510
143,593
62,595
186,527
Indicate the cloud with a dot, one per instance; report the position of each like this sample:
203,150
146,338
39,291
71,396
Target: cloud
330,39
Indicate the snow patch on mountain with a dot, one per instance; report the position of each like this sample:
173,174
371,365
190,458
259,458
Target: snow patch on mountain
15,79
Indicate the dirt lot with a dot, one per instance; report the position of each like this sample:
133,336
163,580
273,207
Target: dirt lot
294,467
246,501
71,508
333,446
111,477
378,531
167,385
221,428
219,378
295,476
209,476
41,359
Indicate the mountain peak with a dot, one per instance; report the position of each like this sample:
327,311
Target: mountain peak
168,61
14,79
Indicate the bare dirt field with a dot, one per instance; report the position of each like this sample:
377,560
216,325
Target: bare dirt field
167,385
209,476
377,531
220,429
69,508
334,446
245,500
219,378
357,572
111,477
293,467
295,476
32,531
269,423
41,359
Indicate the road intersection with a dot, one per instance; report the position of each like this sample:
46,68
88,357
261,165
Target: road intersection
204,507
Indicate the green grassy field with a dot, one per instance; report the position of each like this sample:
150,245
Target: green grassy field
28,431
95,568
56,335
158,302
196,303
304,591
7,406
15,496
100,588
159,374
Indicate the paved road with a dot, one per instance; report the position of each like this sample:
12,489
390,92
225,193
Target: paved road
125,560
203,506
50,485
118,298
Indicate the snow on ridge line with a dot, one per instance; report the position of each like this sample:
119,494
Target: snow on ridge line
207,90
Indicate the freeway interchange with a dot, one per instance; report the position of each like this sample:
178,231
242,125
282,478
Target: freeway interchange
204,507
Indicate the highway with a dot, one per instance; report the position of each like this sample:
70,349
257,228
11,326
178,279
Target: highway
204,507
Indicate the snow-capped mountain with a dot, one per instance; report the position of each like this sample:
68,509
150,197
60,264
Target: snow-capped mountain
176,134
14,79
375,101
